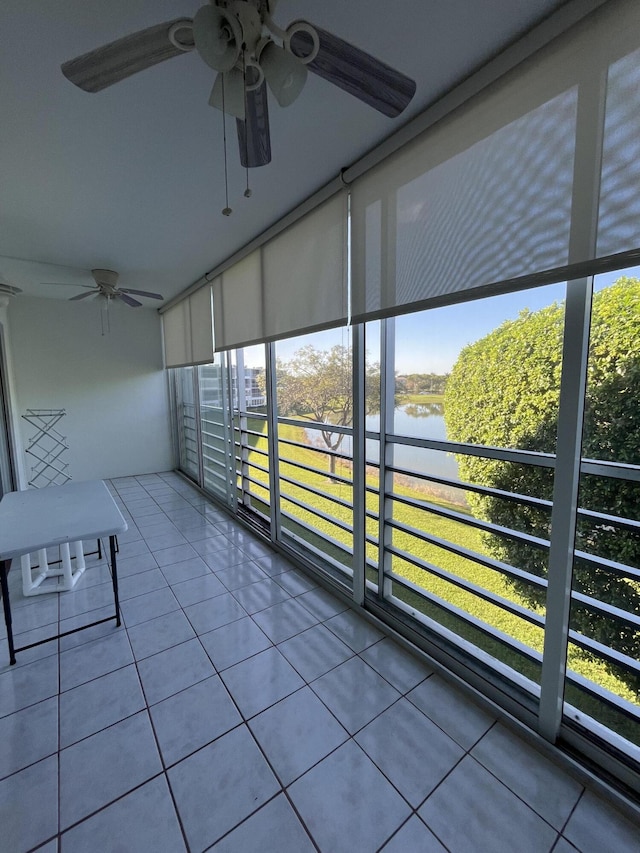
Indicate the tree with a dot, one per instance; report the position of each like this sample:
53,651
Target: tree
421,383
317,385
504,391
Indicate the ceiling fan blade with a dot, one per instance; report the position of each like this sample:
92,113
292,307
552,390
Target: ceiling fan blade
104,66
84,295
140,292
254,140
9,289
357,72
133,303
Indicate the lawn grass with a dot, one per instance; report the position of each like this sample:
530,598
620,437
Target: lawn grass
418,399
310,527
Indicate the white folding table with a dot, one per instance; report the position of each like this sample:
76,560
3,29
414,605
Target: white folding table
36,519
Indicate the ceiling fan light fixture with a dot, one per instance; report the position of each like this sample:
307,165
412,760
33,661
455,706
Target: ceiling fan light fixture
284,73
181,35
309,35
231,100
217,37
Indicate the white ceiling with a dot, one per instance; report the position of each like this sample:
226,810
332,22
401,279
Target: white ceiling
132,178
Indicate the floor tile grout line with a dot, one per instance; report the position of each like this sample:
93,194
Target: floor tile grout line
244,723
515,793
283,787
404,694
158,748
110,803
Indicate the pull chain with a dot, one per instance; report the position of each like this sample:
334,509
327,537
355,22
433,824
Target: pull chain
227,211
247,192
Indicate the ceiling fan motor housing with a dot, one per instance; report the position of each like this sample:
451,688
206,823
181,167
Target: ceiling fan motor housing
105,278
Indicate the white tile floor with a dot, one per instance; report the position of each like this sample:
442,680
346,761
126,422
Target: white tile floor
242,708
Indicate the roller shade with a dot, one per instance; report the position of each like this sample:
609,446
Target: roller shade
491,193
188,330
304,273
293,284
619,213
238,314
201,315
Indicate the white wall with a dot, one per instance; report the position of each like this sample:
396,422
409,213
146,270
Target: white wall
113,387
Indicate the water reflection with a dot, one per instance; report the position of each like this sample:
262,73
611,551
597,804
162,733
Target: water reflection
423,410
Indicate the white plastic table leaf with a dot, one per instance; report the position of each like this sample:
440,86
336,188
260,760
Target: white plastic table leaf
40,518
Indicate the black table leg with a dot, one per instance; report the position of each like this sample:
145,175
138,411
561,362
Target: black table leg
114,575
4,568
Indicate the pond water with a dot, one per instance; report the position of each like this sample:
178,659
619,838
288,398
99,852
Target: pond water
416,422
420,422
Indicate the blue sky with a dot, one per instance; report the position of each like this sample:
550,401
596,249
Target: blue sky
431,340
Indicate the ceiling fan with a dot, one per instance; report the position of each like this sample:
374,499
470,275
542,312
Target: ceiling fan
106,290
240,40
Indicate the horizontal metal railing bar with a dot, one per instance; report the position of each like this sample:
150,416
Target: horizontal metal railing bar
210,407
251,479
248,468
323,473
468,554
307,488
317,425
469,586
525,457
373,513
251,466
606,609
308,546
471,521
213,436
323,515
609,565
244,488
240,462
616,470
603,695
248,491
472,487
213,461
216,468
325,451
372,540
211,442
341,546
219,445
249,432
488,630
259,416
213,476
516,497
256,450
600,650
220,469
615,520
